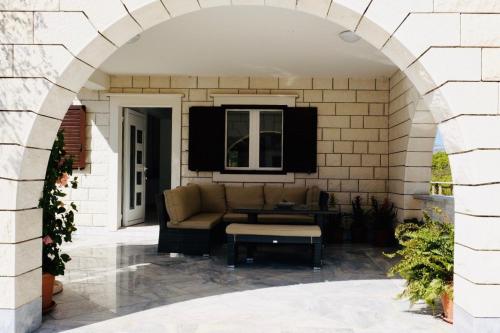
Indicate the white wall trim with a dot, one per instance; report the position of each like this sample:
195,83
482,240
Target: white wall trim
254,178
117,103
238,99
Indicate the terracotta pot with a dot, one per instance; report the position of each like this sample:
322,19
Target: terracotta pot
447,303
47,290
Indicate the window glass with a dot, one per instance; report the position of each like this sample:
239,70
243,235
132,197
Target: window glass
132,167
139,157
238,143
270,139
139,136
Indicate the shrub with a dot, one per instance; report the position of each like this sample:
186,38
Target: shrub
426,259
58,220
383,216
359,215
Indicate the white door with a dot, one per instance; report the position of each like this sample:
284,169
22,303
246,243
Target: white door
134,159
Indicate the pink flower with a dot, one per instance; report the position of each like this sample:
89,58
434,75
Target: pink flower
63,180
47,240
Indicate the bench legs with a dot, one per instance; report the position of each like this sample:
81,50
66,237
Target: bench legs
232,251
317,248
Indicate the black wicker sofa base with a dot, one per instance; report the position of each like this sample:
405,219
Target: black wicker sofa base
186,241
252,234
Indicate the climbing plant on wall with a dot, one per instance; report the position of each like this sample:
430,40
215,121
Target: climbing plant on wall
58,217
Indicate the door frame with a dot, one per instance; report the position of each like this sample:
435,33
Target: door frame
117,102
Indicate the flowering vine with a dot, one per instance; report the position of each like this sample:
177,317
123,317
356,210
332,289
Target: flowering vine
58,220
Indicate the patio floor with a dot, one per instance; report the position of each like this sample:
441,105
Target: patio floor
117,282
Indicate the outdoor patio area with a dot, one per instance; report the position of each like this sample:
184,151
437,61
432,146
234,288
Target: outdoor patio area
117,282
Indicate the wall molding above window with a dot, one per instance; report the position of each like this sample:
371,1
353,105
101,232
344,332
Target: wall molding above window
254,99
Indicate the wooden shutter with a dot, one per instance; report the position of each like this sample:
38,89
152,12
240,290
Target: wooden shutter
73,126
206,138
300,139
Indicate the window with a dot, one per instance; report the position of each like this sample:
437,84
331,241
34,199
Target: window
254,139
251,140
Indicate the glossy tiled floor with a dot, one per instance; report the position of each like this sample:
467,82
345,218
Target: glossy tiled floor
117,282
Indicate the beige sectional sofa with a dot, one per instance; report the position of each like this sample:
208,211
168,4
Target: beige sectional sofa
192,217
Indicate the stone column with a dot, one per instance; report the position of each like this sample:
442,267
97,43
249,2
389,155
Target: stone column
475,165
470,125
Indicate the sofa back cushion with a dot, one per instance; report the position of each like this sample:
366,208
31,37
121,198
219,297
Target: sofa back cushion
182,202
213,198
244,196
312,197
274,194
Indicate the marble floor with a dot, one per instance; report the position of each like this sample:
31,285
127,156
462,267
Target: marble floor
117,282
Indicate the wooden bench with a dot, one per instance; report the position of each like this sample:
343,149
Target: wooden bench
238,233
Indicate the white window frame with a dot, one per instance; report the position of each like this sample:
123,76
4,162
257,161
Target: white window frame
254,140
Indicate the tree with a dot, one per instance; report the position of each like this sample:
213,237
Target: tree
441,171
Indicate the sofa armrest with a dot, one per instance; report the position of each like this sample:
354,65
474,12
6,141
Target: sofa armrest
161,210
323,200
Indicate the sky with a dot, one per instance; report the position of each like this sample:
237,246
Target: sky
438,144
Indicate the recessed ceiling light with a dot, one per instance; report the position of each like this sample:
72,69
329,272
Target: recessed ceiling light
349,36
134,39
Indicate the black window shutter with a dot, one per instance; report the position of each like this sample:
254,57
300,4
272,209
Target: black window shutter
299,139
206,138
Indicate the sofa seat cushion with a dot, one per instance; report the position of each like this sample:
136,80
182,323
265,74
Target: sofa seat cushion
204,221
275,194
213,198
237,197
274,230
182,202
235,218
285,219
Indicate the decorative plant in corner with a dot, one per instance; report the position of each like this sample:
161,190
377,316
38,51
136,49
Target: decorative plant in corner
58,219
383,219
334,230
359,219
426,262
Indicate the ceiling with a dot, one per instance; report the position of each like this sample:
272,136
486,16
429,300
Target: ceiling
248,41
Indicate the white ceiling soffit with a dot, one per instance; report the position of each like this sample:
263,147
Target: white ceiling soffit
248,41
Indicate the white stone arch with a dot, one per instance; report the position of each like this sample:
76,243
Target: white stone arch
51,47
412,132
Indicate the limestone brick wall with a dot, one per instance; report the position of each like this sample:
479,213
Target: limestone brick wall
91,197
352,132
412,131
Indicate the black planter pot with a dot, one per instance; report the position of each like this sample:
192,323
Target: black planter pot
358,234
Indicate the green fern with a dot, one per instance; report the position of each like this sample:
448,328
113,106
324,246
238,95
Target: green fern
426,259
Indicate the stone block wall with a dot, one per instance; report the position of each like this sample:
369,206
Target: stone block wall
352,125
91,197
375,136
412,132
352,132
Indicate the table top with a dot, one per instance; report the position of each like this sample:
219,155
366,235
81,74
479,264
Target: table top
293,210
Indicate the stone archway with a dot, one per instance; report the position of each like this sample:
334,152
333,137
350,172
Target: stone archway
50,48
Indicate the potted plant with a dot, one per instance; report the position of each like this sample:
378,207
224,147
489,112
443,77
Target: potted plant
426,262
58,218
383,218
359,219
334,229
